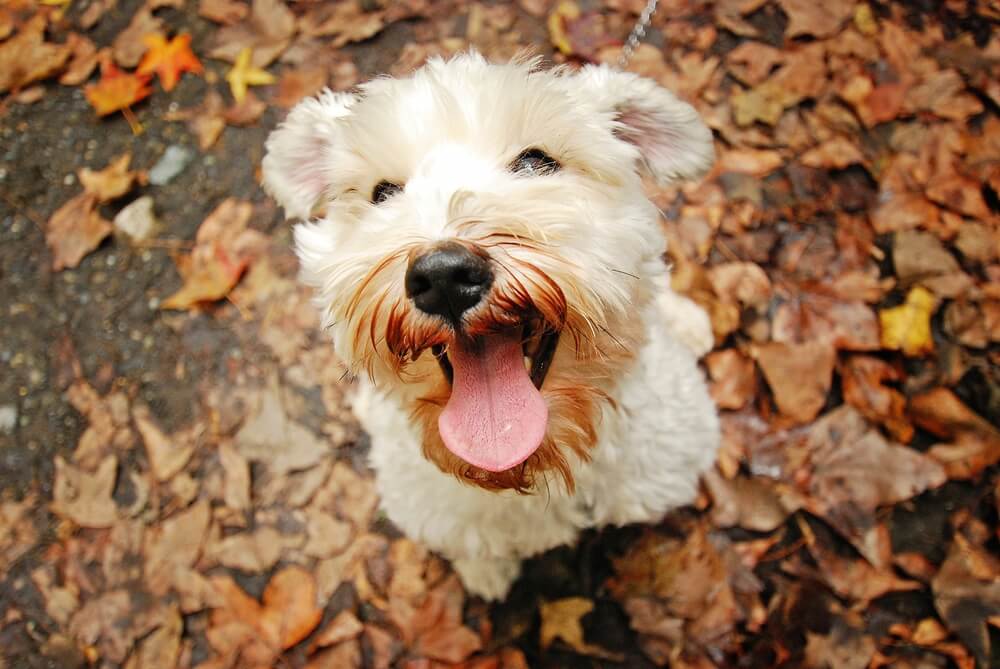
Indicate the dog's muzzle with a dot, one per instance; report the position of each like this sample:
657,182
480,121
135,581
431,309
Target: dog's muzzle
448,279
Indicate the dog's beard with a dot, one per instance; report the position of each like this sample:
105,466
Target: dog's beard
520,382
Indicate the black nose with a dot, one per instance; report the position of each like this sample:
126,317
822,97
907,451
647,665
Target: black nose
447,280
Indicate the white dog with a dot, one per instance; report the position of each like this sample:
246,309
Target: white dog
485,258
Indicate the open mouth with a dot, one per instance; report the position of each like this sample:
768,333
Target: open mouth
496,417
538,347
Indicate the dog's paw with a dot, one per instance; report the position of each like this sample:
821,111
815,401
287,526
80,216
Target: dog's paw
489,579
687,322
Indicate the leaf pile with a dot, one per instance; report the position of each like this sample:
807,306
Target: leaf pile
846,247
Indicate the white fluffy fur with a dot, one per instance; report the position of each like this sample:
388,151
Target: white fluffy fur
448,134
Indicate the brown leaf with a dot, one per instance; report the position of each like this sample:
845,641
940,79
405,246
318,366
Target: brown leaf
223,11
173,544
236,484
290,608
437,625
343,627
733,378
742,282
967,593
207,121
74,230
167,456
82,61
17,530
27,57
83,497
224,247
161,648
976,443
112,182
561,620
255,551
810,317
960,194
837,153
852,578
271,436
128,46
843,648
855,471
346,655
819,19
267,33
803,76
799,375
864,385
752,62
752,503
296,84
755,162
346,22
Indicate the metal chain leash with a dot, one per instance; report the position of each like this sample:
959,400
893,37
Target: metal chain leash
638,32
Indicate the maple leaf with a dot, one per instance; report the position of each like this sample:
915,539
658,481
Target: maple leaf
244,74
115,91
168,59
908,327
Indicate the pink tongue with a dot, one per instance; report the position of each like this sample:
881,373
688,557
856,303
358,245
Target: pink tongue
495,417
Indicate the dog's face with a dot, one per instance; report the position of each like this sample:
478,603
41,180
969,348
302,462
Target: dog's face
482,247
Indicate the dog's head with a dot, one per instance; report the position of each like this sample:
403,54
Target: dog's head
481,246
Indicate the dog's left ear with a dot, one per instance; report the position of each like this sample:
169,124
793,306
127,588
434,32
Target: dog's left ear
298,164
673,141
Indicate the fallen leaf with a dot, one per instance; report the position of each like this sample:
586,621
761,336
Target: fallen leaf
300,83
742,282
162,648
227,12
837,153
850,577
975,442
236,471
84,497
290,609
110,183
343,627
843,648
74,230
82,61
967,593
803,76
561,620
819,19
755,162
799,375
224,247
17,530
907,328
272,437
864,380
27,57
206,121
167,456
750,503
752,62
345,22
855,470
733,378
267,33
168,59
243,74
116,90
173,545
129,46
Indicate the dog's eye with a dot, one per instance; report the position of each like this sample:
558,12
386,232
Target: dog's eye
534,162
384,190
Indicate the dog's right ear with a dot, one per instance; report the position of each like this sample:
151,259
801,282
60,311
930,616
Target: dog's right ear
298,162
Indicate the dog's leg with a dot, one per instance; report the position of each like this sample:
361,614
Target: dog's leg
687,322
490,578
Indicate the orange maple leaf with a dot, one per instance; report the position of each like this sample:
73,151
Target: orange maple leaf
116,89
168,59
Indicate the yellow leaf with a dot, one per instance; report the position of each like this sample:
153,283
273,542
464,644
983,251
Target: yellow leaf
244,74
565,11
907,328
561,620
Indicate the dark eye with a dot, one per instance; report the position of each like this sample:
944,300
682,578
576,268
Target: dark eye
384,190
534,162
